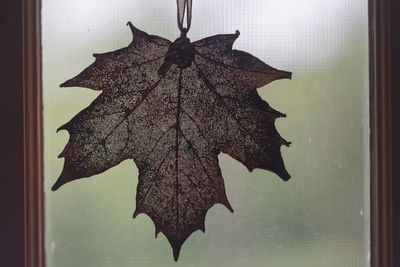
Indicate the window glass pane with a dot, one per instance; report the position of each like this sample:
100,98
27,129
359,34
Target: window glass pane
320,217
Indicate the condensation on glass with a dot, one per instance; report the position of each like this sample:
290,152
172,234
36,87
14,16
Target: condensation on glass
318,218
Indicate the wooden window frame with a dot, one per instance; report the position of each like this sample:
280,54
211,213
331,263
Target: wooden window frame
21,134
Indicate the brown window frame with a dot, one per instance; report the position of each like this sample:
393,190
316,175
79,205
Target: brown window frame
22,203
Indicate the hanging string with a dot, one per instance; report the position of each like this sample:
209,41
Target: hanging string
184,9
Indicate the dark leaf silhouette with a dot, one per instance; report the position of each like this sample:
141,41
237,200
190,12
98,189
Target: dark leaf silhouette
172,108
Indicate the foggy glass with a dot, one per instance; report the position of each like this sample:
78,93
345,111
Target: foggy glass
319,218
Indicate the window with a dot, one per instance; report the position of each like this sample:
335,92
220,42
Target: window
373,161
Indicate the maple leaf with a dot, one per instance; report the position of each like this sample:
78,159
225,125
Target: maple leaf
172,108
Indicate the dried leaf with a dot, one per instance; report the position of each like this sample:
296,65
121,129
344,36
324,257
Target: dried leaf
172,108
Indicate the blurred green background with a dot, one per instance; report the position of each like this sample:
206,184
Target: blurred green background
319,218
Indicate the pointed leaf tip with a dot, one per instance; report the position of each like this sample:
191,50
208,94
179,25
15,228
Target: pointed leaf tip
62,127
68,83
135,30
56,186
288,75
284,74
226,203
60,182
286,178
156,232
176,250
284,175
135,214
249,167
